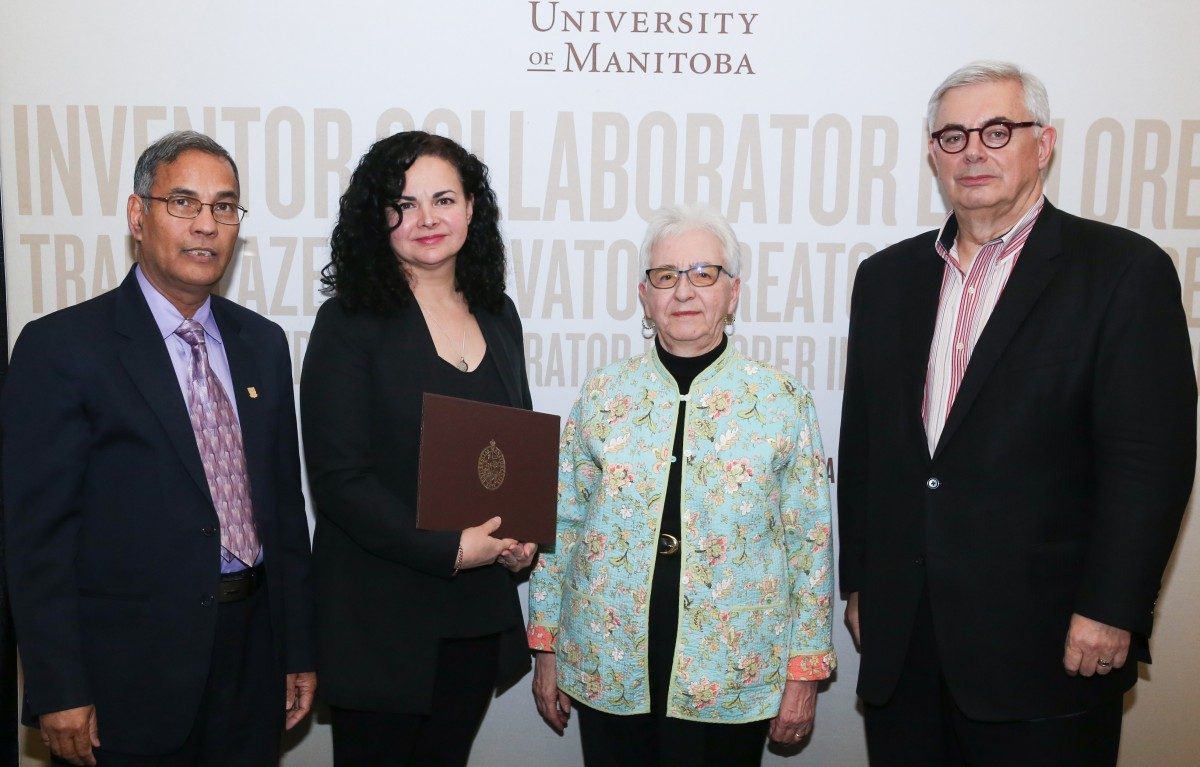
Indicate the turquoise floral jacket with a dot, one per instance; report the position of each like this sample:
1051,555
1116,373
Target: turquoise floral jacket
756,579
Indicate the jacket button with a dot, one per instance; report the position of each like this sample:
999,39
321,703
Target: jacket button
208,530
207,601
919,561
933,483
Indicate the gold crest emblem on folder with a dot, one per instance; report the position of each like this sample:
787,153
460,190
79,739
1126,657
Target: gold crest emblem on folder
491,466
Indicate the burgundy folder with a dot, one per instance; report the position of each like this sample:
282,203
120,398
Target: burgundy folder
479,461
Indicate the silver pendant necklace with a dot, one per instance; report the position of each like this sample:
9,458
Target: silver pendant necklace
462,349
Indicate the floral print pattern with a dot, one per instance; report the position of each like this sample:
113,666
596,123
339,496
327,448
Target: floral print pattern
756,587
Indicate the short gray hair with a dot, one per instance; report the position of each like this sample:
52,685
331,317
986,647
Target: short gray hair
1036,100
167,150
678,219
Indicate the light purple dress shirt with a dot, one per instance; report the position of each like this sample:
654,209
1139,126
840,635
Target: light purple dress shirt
169,319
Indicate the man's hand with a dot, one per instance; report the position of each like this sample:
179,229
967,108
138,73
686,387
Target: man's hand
72,734
852,619
1093,647
298,698
552,703
796,712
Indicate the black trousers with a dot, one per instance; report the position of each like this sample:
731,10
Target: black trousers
241,714
922,725
463,685
646,740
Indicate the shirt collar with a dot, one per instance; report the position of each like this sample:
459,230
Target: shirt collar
948,250
168,318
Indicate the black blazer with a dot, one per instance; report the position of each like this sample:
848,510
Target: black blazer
113,551
1058,483
382,586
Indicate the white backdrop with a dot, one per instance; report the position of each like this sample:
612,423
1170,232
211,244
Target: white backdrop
803,121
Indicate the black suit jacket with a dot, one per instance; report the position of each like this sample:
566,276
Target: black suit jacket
384,589
113,544
1058,483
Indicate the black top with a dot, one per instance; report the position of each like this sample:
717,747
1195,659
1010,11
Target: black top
664,590
486,589
385,593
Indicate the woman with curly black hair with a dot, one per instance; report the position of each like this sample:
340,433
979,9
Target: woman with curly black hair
416,628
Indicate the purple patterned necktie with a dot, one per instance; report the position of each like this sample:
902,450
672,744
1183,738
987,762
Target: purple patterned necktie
219,437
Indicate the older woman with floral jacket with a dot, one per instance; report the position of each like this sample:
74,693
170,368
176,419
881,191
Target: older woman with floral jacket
685,609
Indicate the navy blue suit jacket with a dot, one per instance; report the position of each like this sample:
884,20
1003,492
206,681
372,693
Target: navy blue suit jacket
113,544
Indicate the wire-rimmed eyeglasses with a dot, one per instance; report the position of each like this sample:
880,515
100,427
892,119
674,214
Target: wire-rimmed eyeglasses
700,275
182,206
994,135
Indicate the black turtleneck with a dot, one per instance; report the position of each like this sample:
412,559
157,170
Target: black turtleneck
684,370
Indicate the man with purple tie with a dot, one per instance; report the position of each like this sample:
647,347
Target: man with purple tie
157,540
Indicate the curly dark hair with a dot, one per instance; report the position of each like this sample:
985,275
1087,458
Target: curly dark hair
364,272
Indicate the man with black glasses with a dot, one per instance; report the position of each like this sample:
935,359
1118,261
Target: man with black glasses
1017,450
157,540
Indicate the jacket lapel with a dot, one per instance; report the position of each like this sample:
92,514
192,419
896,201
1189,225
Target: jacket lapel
1035,267
915,331
145,358
503,354
249,394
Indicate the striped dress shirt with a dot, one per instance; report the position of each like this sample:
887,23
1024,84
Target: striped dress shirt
964,306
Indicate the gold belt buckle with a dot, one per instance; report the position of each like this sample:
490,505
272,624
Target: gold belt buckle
667,544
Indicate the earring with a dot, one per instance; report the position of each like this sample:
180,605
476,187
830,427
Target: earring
728,324
647,328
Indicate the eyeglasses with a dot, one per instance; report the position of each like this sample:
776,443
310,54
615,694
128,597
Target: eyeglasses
182,206
994,135
700,275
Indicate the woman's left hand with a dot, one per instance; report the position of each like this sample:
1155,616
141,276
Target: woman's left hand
796,712
518,556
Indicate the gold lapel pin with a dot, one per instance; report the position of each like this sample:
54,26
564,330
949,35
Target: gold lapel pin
252,392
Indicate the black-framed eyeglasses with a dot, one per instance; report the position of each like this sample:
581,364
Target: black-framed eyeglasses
700,275
182,206
994,135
